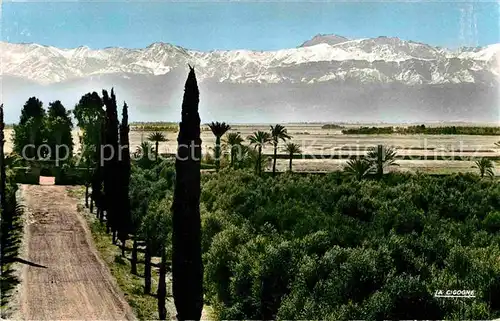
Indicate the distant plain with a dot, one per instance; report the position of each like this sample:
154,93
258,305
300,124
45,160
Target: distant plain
324,143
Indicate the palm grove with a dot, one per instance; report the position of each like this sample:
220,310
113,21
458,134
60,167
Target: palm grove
360,243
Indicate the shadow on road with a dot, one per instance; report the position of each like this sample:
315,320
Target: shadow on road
29,263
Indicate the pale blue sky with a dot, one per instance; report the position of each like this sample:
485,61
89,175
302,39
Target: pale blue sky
245,25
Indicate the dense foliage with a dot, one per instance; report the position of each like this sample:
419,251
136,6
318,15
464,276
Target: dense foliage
59,127
332,126
450,130
422,129
149,190
38,129
154,126
10,213
89,114
324,247
368,131
30,129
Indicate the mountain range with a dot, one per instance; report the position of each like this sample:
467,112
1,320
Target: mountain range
327,78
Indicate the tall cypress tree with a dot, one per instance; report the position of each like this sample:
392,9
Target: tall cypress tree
125,221
98,175
31,129
89,114
111,166
187,267
3,177
59,127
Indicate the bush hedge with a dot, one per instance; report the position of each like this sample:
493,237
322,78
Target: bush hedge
63,175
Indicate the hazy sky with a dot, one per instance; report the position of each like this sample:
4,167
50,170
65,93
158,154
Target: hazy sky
255,25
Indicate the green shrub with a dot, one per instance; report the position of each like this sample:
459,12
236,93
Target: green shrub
492,222
25,175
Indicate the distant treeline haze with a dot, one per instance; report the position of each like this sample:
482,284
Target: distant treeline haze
422,129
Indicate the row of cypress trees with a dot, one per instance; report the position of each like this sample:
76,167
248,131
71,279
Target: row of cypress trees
111,176
110,194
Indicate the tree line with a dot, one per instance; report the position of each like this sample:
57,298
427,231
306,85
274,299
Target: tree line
230,149
39,131
154,126
422,129
240,154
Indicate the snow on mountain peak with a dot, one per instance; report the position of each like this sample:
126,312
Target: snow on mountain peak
323,58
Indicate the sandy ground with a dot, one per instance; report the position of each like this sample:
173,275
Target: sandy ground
429,166
314,140
68,280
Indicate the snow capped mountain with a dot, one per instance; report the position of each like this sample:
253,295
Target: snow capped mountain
328,39
380,59
327,77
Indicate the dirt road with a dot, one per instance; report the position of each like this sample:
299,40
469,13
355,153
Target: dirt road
65,278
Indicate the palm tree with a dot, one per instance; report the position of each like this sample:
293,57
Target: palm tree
382,157
246,157
485,166
233,140
144,149
291,149
218,129
359,168
277,132
157,137
258,140
142,155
